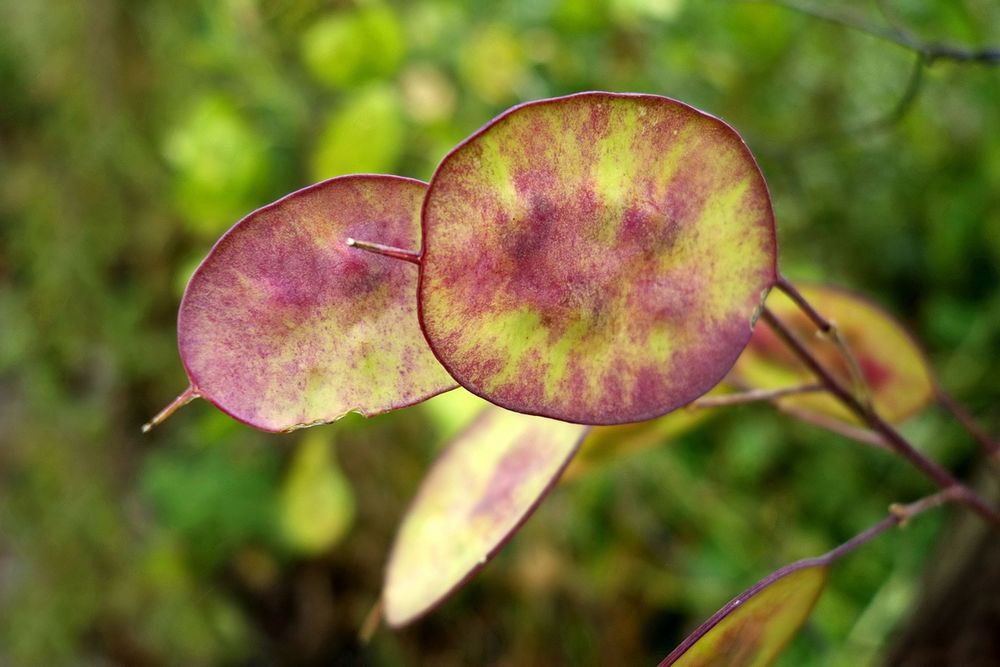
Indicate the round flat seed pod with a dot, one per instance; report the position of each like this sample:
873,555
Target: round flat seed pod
753,629
894,369
283,325
478,493
597,258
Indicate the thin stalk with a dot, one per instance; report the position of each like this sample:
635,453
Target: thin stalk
186,397
385,250
754,396
865,436
989,446
899,515
830,330
792,292
930,51
892,437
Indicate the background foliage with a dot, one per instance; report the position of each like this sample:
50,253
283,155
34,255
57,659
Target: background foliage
133,133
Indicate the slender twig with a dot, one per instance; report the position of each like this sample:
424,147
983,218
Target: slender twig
186,397
829,329
793,293
911,92
385,250
907,512
754,396
989,446
837,19
899,515
925,54
892,437
931,51
865,436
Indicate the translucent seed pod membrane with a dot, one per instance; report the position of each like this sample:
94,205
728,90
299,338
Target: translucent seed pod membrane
597,258
283,325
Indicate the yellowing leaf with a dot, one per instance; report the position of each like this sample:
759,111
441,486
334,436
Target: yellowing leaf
752,629
606,443
479,491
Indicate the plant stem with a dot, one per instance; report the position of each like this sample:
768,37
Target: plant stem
989,446
830,330
754,395
793,293
865,436
867,414
899,515
386,250
186,397
929,51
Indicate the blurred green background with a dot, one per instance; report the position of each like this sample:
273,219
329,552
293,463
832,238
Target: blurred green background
133,133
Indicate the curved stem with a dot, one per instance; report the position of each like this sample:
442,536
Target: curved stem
865,413
370,623
186,397
899,515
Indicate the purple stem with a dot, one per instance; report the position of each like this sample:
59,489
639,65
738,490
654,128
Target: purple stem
186,397
982,438
868,415
865,436
792,292
830,330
